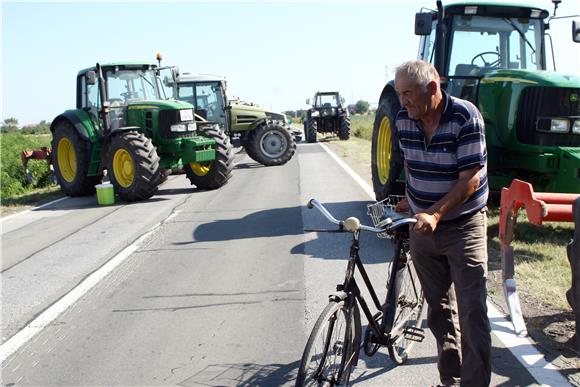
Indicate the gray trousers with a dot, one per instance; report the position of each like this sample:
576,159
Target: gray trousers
452,267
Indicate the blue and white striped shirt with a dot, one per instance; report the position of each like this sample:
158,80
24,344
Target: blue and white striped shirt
458,144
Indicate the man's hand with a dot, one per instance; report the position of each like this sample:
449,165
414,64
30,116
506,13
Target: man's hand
426,224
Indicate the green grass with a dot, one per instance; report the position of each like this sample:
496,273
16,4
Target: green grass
542,267
12,174
362,125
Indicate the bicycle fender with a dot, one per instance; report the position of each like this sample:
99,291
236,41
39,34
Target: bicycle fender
338,296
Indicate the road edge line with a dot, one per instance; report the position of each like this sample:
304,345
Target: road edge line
521,348
57,308
33,209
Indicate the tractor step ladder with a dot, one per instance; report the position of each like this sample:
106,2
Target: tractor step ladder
540,207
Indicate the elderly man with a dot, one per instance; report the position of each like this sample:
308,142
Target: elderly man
442,141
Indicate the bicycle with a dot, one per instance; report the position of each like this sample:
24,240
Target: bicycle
332,349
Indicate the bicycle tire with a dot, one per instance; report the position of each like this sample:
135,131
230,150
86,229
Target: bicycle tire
408,309
331,367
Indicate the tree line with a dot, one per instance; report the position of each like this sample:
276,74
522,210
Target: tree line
10,125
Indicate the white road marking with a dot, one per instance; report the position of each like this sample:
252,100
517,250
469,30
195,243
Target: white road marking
32,209
56,309
522,348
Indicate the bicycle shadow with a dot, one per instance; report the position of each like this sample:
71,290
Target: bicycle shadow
244,374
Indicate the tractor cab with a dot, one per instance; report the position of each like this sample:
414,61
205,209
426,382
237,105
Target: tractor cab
474,39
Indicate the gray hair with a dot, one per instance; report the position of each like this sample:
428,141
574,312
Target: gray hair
418,72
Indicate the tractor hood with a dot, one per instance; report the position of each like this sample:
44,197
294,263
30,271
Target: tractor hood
530,78
256,111
159,104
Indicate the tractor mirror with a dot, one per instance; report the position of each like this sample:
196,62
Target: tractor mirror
423,23
307,101
576,31
91,78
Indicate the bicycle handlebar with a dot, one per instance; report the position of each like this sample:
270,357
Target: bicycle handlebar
352,224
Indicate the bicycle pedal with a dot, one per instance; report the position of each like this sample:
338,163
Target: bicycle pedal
414,334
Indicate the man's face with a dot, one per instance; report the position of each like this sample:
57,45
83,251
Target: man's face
416,99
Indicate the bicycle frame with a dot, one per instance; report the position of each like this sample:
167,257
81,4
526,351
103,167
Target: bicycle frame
350,289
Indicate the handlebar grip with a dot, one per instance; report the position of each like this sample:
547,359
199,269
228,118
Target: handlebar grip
310,205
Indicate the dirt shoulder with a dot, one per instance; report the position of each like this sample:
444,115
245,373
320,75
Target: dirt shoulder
551,329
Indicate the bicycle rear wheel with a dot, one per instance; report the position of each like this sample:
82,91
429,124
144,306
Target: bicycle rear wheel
328,356
406,330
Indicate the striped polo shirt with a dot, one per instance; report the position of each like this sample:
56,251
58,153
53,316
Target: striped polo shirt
458,144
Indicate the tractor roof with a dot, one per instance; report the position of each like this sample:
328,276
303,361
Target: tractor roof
122,65
194,77
527,4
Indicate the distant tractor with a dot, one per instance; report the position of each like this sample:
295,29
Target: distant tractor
123,124
264,134
493,53
327,115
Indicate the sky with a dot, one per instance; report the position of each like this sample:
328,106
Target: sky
275,54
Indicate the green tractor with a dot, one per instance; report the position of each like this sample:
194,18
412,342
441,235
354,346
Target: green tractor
264,134
328,114
124,124
493,53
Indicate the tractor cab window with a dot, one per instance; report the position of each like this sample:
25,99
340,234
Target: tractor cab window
481,43
326,100
127,86
206,97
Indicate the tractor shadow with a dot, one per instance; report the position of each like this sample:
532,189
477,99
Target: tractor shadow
292,221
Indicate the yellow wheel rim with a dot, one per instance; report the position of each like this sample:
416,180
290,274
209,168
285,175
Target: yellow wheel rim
384,150
200,169
67,159
123,168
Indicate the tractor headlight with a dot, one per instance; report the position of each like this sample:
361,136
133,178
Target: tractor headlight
576,127
178,128
559,125
192,127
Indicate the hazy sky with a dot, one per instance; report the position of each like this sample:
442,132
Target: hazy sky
275,54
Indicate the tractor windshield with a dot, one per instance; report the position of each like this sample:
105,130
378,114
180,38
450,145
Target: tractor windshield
126,86
207,97
326,100
481,43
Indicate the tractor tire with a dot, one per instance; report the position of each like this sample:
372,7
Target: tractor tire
70,160
386,160
133,166
312,129
271,143
344,130
306,134
213,174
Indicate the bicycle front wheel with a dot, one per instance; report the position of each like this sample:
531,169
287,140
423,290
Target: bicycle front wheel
406,329
328,357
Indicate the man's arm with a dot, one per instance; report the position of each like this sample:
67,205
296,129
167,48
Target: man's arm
466,185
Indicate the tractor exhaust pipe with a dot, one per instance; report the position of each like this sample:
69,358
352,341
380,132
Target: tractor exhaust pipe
104,101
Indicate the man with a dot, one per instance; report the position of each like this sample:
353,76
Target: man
442,141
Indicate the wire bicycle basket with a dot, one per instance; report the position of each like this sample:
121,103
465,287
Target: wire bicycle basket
384,209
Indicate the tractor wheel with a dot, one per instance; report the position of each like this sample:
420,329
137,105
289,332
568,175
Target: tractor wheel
271,144
344,130
386,161
133,166
70,160
215,173
306,134
312,129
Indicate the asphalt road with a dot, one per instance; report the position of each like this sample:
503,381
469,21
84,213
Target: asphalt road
222,289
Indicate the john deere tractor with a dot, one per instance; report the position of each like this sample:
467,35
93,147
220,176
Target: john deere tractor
123,124
264,134
327,115
493,53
